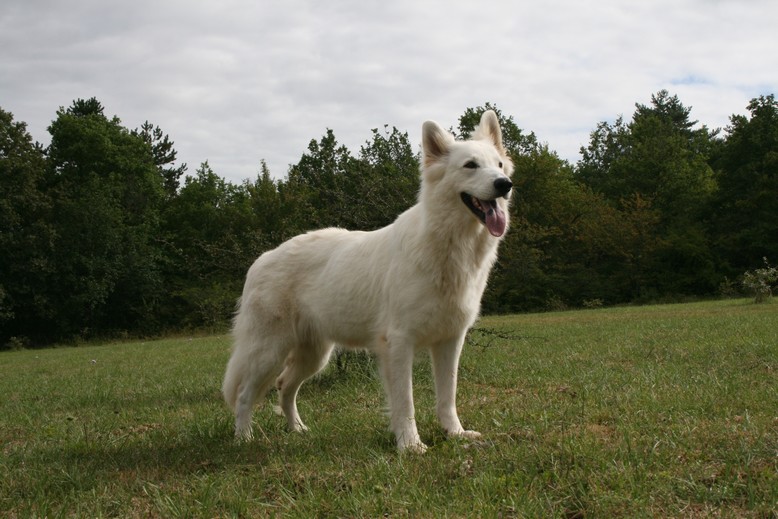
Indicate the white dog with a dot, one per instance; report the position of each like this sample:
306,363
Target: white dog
414,284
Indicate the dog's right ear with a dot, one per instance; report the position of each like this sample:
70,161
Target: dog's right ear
435,142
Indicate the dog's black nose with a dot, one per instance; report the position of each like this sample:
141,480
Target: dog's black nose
503,185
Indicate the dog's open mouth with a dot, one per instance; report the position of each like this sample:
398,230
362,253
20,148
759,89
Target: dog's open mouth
488,212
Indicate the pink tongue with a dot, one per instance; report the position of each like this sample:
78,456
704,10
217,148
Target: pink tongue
495,218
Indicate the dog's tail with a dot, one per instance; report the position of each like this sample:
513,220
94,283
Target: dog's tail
233,377
256,358
234,373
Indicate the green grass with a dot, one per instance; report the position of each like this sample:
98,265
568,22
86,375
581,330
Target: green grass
659,411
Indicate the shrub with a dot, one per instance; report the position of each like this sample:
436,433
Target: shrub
728,289
592,303
761,281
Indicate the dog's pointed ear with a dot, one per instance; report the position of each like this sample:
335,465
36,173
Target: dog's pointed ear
435,142
489,129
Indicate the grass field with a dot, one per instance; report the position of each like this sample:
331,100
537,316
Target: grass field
658,411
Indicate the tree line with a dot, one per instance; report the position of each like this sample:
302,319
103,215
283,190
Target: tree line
103,234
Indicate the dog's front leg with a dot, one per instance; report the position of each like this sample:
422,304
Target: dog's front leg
397,369
445,364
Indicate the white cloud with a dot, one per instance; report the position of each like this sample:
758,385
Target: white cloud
234,82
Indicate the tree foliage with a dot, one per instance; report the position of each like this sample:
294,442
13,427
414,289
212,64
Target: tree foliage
26,230
660,159
745,213
104,233
164,155
106,195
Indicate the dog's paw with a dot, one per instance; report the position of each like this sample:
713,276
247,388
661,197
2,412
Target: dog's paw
298,427
413,448
244,436
468,435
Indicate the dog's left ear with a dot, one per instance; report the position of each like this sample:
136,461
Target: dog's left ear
489,128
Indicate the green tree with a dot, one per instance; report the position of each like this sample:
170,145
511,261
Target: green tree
660,158
658,155
211,233
164,156
385,181
25,233
567,244
106,194
522,277
330,187
266,205
745,210
514,140
313,193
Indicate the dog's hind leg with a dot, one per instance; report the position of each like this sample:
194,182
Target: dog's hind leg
303,362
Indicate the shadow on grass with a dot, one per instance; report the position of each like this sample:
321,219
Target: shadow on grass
156,452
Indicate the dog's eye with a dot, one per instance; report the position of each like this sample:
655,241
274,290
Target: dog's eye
500,165
471,165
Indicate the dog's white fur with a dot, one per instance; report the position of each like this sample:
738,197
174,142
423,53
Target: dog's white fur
414,284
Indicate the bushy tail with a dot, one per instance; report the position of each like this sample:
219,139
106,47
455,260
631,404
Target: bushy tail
260,348
233,377
254,364
237,368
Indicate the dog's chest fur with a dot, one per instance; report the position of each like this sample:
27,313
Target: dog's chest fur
457,270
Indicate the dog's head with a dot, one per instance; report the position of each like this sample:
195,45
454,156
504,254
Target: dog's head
476,172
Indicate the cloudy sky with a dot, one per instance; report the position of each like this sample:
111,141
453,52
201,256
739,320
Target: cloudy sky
237,81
